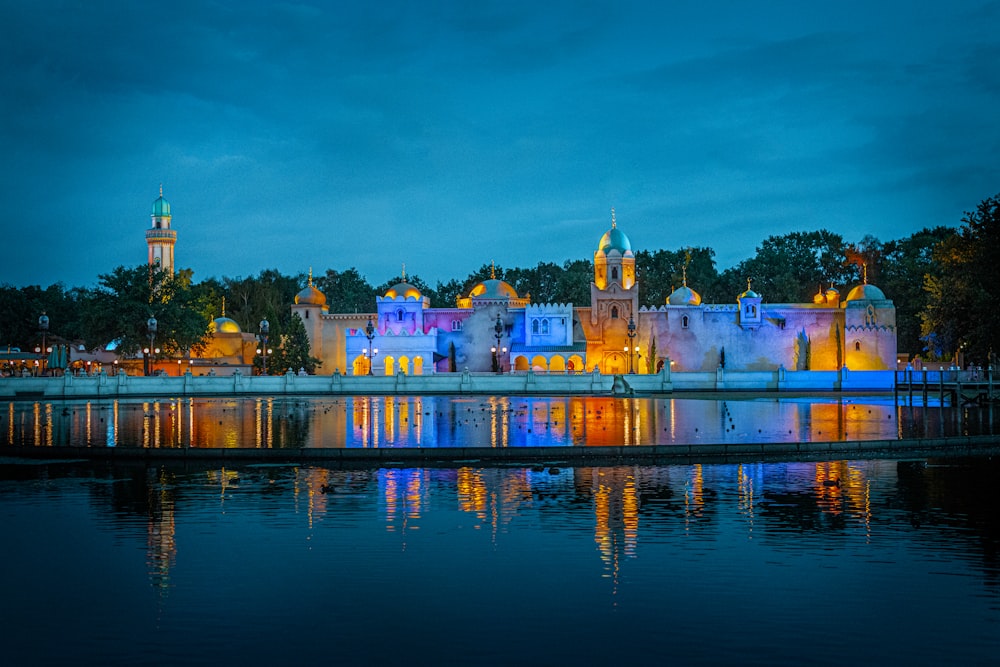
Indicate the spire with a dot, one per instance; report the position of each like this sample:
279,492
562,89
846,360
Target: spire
613,223
223,306
404,272
493,270
685,275
748,283
310,276
864,272
161,189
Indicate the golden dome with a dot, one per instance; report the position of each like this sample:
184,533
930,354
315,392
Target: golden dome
493,289
224,325
403,290
310,296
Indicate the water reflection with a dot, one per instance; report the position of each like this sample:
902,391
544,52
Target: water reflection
687,552
489,421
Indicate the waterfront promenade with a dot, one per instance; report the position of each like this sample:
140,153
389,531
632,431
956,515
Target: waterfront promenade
528,383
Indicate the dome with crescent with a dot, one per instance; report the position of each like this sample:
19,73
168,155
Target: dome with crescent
310,296
161,207
614,239
684,296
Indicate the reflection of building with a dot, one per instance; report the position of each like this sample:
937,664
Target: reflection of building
749,334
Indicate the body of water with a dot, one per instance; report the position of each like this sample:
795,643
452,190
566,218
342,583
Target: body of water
843,562
476,421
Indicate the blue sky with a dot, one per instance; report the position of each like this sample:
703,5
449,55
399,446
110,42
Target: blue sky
449,134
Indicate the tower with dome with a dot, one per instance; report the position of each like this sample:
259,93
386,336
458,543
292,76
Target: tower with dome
160,238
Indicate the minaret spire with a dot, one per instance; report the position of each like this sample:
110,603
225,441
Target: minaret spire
223,306
310,276
404,272
864,272
493,270
613,223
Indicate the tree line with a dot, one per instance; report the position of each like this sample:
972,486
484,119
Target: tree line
943,282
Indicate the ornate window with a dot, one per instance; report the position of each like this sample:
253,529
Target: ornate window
399,315
534,326
456,325
545,326
614,312
614,273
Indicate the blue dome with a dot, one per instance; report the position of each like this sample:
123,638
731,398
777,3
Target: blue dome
614,239
161,207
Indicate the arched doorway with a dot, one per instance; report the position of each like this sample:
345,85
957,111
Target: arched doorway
418,365
520,363
361,365
575,364
539,364
557,364
404,365
615,364
390,366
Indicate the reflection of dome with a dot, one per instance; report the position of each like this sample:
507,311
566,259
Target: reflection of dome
614,239
310,296
866,292
493,289
684,296
161,207
403,290
224,325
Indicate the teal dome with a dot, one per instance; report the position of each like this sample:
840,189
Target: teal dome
866,292
614,239
161,207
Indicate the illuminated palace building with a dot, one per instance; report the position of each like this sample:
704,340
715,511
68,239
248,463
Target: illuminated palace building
495,329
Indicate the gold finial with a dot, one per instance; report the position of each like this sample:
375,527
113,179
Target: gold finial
748,283
687,260
684,272
493,270
310,276
161,189
404,272
223,306
613,223
864,272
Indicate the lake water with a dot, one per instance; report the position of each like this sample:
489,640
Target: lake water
834,563
476,421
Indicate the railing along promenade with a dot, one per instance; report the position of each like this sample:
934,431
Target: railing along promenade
101,385
960,387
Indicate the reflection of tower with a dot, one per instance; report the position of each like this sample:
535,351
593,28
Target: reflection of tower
616,514
161,546
161,238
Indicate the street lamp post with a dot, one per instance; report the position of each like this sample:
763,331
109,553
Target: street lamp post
498,334
43,327
370,335
631,337
151,332
265,329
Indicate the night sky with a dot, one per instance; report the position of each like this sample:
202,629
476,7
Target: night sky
449,134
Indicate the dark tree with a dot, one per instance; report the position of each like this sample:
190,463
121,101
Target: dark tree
961,313
347,291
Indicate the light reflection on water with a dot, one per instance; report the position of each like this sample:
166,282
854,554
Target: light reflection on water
480,421
843,561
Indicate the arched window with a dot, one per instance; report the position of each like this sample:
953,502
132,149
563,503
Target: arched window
534,326
456,325
399,315
307,314
857,346
614,312
684,322
545,326
614,273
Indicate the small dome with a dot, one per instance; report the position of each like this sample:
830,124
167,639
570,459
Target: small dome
749,294
684,296
404,290
493,289
614,239
310,296
224,325
866,292
161,207
819,298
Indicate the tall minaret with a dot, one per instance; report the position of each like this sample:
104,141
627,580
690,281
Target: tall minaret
161,238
